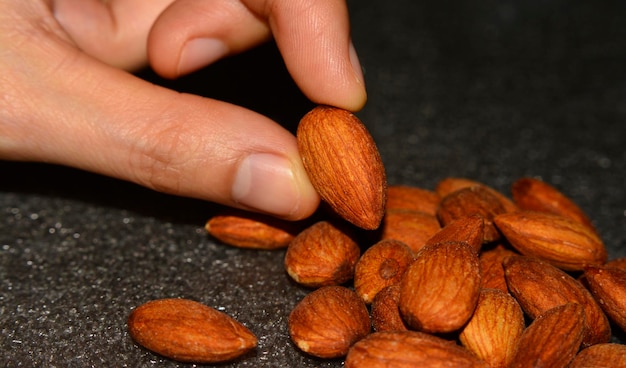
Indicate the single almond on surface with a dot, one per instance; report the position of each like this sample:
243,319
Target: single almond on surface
321,255
439,290
412,228
254,231
385,310
539,286
381,265
608,286
452,184
552,339
601,356
472,201
468,229
559,240
189,331
409,349
495,328
412,198
344,164
326,322
536,195
491,270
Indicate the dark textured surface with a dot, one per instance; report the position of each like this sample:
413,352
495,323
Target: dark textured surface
491,91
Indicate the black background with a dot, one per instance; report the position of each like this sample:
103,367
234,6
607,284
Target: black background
491,90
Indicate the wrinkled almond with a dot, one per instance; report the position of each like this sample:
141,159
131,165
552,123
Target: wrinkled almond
495,328
601,356
561,241
491,270
608,286
344,165
326,322
385,310
322,255
383,264
189,331
412,228
439,290
552,339
409,349
451,184
539,286
412,198
617,263
468,229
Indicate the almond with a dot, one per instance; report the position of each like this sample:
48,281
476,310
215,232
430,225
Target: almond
344,164
561,241
601,356
439,290
617,263
472,201
412,228
468,229
321,255
409,349
189,331
451,184
491,270
552,339
328,321
412,198
254,231
536,195
608,286
538,286
383,264
495,328
385,312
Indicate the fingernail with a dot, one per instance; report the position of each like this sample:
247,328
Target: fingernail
266,182
356,64
200,52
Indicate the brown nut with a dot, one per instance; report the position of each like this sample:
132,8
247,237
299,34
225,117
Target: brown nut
385,310
608,286
601,356
412,228
491,270
412,198
468,229
452,184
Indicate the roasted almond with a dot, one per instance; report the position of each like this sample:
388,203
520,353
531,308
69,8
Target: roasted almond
608,286
326,322
601,356
536,195
491,270
472,201
381,265
409,349
344,164
552,339
323,254
385,310
439,290
412,228
452,184
539,286
189,331
412,198
617,263
468,229
559,240
495,328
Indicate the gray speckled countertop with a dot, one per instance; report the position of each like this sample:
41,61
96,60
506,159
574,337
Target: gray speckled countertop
491,91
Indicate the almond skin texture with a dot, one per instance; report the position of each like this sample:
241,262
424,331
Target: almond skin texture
472,201
608,286
451,184
328,321
491,270
409,349
538,286
439,290
412,198
536,195
495,328
383,264
468,229
322,255
559,240
385,310
617,263
412,228
188,331
552,339
601,356
343,164
253,231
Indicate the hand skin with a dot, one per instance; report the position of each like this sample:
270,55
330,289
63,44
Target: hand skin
67,97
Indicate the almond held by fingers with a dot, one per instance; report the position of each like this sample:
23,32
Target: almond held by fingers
189,331
552,339
344,164
559,240
608,286
409,349
601,356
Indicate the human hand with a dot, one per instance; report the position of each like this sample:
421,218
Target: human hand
66,99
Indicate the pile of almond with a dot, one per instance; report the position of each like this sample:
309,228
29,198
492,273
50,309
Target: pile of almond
459,276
